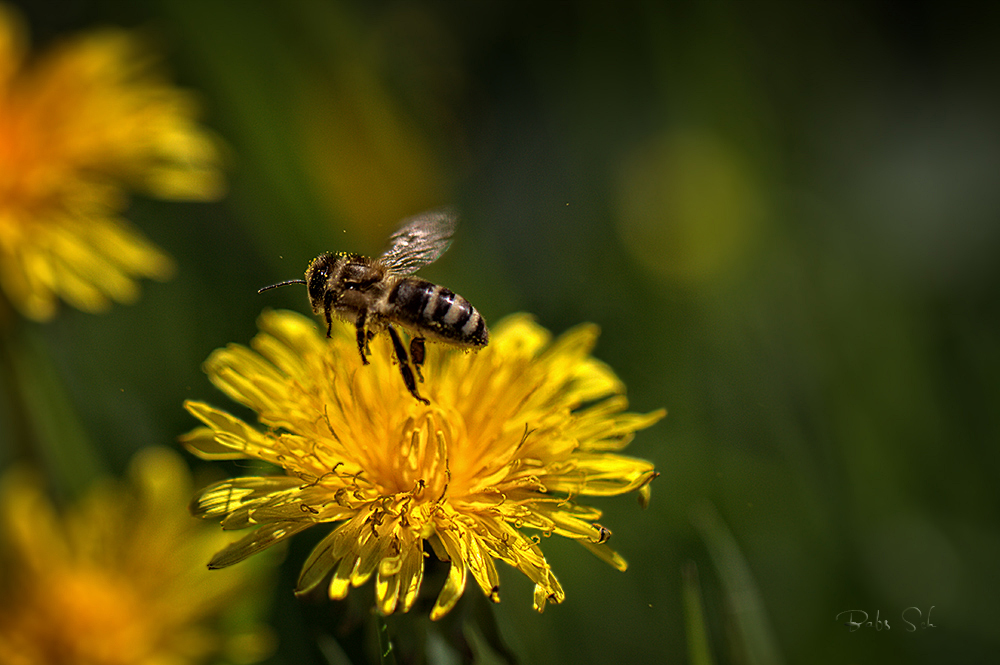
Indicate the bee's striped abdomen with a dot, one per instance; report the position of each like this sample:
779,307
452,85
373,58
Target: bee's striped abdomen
437,312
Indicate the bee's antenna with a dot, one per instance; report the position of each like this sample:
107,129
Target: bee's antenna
274,286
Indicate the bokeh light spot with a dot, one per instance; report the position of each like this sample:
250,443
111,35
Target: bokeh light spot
689,207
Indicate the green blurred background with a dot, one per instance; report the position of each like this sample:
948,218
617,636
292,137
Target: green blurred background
784,216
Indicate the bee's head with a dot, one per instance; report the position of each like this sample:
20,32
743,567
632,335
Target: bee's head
318,278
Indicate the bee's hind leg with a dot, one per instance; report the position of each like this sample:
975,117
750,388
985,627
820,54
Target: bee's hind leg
359,326
404,364
417,355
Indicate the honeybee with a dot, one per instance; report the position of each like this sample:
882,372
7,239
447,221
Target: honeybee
375,294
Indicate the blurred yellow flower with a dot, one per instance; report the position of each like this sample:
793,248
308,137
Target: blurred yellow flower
120,579
80,125
512,436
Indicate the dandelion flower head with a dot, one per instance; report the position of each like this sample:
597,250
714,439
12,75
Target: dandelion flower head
513,436
119,577
81,124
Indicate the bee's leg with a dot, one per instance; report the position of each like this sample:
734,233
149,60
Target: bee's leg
404,364
359,328
417,355
327,308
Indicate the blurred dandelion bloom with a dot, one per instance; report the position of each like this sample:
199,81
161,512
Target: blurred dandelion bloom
117,580
80,125
512,436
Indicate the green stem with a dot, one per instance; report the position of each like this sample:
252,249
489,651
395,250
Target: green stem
45,429
386,653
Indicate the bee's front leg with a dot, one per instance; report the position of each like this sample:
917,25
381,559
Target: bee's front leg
359,328
404,364
327,309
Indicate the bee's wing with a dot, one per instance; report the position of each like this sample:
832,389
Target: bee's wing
420,240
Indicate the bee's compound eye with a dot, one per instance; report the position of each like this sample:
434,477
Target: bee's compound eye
316,283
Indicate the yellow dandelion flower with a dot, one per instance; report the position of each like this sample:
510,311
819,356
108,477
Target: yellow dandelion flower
512,437
79,126
119,579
